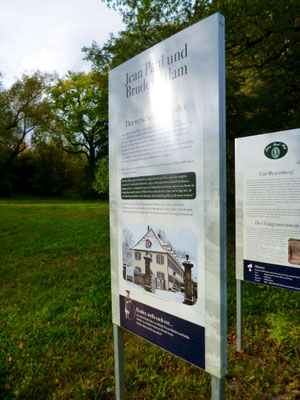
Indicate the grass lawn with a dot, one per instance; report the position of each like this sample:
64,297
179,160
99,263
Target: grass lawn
55,330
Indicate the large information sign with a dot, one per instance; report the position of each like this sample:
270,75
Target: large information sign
268,209
167,195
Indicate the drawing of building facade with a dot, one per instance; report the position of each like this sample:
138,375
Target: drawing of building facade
166,270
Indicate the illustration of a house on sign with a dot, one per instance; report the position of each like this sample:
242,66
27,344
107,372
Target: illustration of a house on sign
165,267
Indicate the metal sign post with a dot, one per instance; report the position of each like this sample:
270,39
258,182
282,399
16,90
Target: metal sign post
239,315
217,384
119,363
217,388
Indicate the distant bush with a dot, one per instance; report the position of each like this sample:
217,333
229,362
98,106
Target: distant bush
47,170
101,183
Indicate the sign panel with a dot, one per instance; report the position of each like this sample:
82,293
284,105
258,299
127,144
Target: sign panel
167,195
268,209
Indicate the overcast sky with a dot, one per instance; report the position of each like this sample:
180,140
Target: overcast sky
48,35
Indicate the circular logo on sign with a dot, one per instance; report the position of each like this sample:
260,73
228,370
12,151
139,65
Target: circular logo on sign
276,150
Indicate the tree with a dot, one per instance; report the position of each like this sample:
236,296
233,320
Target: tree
128,44
262,57
56,172
23,108
145,13
101,183
262,70
262,53
79,103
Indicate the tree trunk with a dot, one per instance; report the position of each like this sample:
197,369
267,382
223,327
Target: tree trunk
92,163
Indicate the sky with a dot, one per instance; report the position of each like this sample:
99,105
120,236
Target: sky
48,35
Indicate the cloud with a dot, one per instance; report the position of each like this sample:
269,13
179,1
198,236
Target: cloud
50,35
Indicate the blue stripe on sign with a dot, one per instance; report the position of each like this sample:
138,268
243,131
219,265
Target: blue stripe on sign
273,275
176,335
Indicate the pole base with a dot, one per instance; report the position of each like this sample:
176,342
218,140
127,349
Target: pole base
189,302
148,288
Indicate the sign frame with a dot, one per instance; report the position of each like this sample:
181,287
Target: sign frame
210,176
273,170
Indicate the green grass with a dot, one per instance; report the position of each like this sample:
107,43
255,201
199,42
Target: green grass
55,318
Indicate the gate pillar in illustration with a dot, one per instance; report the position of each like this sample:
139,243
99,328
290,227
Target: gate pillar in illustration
147,284
188,290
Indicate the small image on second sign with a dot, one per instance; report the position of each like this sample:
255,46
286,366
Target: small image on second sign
294,251
161,260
